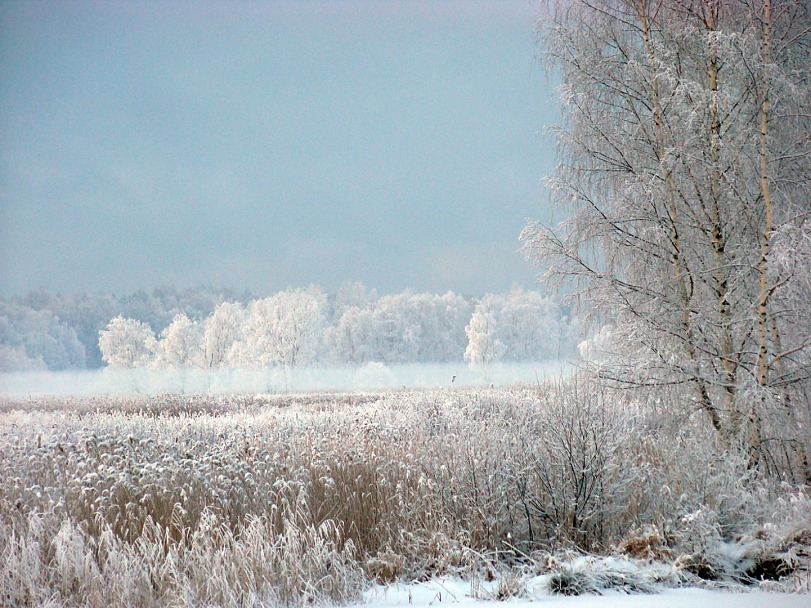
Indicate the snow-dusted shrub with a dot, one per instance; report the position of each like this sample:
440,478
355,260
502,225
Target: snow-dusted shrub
647,543
590,576
700,566
571,582
766,554
509,586
577,475
386,567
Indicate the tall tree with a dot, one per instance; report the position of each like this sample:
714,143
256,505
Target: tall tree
685,164
483,347
220,332
286,329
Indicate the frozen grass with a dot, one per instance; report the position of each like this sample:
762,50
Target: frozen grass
298,499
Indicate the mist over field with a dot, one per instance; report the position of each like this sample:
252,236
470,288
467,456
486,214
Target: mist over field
373,376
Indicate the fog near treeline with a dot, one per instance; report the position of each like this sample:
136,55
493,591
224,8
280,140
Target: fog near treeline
191,381
350,328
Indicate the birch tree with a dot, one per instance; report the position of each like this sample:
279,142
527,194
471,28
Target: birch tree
684,163
483,347
285,330
220,331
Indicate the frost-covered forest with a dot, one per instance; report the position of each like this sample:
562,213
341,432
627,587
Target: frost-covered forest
207,329
41,330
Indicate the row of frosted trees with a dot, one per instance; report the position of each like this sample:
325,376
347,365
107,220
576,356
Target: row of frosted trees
304,327
52,331
32,339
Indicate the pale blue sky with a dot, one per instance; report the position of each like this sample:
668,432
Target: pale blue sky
261,145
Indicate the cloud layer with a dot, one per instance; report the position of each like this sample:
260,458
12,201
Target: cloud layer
262,145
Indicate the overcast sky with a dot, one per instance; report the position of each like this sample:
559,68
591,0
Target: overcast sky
261,145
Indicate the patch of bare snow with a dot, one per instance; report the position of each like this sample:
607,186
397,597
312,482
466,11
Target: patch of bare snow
451,591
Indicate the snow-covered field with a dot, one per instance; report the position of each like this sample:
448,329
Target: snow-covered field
452,592
486,493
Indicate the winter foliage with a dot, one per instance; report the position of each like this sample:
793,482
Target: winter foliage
37,339
210,329
292,500
56,332
685,173
299,328
127,343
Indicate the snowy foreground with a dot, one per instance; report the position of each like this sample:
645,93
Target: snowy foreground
456,592
308,499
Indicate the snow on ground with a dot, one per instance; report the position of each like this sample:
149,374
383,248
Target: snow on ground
463,594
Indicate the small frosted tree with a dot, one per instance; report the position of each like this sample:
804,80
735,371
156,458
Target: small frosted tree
220,331
179,345
300,323
285,329
127,343
483,348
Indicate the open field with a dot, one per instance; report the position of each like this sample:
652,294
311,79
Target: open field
374,376
180,500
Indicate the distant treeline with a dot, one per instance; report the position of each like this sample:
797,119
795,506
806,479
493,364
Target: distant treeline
206,327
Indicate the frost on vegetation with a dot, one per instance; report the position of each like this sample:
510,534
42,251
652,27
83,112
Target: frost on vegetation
593,577
258,500
306,328
299,564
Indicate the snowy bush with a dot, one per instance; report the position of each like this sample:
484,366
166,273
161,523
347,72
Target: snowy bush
588,576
